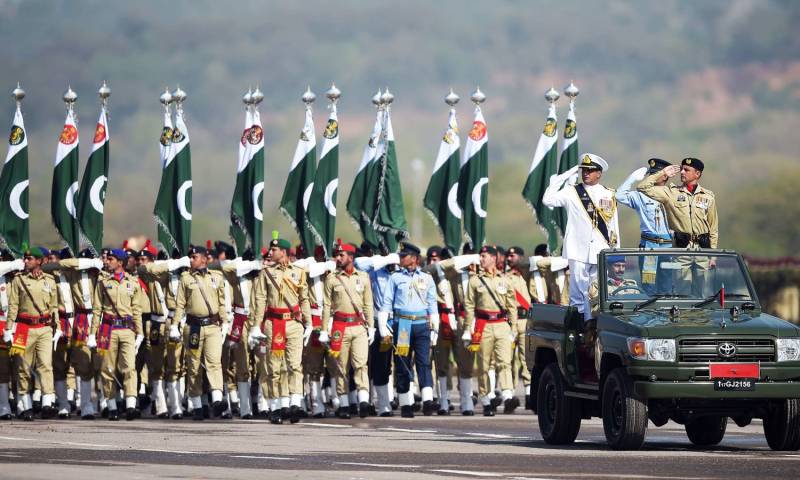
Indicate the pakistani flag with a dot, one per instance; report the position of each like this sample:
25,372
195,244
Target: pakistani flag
569,158
473,182
92,196
441,200
173,210
388,214
358,193
14,189
321,214
542,167
247,204
65,185
297,192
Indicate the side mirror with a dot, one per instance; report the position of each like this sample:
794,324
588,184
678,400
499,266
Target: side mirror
616,306
749,306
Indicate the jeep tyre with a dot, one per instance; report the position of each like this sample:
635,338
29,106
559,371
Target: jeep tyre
624,414
782,425
706,431
559,415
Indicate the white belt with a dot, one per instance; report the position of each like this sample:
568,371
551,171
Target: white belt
241,311
316,311
158,318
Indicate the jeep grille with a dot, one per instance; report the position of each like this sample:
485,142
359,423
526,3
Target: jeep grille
703,350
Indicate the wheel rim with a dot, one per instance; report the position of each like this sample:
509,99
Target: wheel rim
617,412
551,399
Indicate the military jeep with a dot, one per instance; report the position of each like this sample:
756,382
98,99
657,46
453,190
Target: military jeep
675,335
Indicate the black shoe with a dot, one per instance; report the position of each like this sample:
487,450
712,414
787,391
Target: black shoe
394,404
275,417
206,412
387,414
450,408
527,401
417,406
249,416
131,414
72,406
27,415
227,415
294,414
218,408
510,405
7,416
177,416
37,406
153,408
407,411
48,412
113,415
163,416
488,411
198,414
235,409
263,414
363,410
353,409
373,411
104,413
428,408
302,413
468,413
319,415
495,402
284,413
87,417
63,415
144,401
442,411
436,405
343,413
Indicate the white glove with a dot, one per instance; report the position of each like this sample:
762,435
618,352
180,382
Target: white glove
330,266
255,336
8,336
383,327
87,263
225,329
434,337
91,341
639,174
138,343
174,334
175,264
13,266
323,337
434,321
307,331
56,337
370,335
392,259
466,336
451,319
243,267
460,262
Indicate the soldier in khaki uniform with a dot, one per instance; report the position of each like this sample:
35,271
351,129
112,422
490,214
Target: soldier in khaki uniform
8,268
201,297
491,310
117,331
691,213
443,350
520,279
33,307
347,317
281,318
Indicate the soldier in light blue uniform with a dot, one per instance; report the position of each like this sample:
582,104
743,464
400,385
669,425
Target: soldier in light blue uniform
655,232
411,295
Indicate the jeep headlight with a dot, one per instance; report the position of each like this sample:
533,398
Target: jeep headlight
653,349
788,349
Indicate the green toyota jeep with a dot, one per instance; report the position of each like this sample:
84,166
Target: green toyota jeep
675,335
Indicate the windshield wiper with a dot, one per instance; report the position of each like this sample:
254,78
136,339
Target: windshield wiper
710,299
656,297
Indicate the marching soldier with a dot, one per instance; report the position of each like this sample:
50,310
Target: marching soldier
201,297
411,295
32,313
8,268
592,223
348,319
281,308
519,279
117,331
491,310
691,213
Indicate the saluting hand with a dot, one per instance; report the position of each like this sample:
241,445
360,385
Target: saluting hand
672,170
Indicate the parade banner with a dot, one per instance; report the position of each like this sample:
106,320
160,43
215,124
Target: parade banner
543,165
65,182
473,182
14,228
297,192
440,200
92,195
321,215
389,218
247,204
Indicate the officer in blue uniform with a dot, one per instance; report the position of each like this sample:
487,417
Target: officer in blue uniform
655,232
410,295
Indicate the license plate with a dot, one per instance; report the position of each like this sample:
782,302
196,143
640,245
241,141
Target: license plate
734,370
735,384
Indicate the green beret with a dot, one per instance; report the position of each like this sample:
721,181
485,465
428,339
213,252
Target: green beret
280,243
34,252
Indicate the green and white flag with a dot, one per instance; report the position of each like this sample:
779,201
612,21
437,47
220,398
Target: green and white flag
441,200
388,215
569,158
14,189
321,215
173,209
544,165
65,185
473,181
358,193
247,205
92,197
297,192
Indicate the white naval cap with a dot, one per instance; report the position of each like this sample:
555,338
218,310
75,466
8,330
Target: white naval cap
590,160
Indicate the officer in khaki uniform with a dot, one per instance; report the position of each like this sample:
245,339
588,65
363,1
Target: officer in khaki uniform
347,316
8,268
519,279
281,318
116,331
33,310
691,214
491,310
201,297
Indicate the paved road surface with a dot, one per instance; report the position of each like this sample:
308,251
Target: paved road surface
427,447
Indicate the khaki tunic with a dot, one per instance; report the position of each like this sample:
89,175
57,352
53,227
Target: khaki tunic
292,289
337,300
158,272
44,292
692,213
479,298
127,297
191,301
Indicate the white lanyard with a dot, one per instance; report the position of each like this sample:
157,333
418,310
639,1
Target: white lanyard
244,286
66,294
538,281
86,291
162,301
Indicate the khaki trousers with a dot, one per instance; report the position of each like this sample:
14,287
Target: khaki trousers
464,358
520,369
354,353
39,349
5,366
235,363
289,367
209,354
156,341
495,346
120,358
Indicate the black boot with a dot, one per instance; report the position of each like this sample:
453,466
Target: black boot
363,410
353,409
428,408
275,417
235,409
206,412
27,415
7,416
177,416
488,410
113,415
343,413
218,408
199,415
284,413
294,414
407,411
510,405
131,414
48,412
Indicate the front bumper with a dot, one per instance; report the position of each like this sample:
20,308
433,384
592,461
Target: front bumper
705,389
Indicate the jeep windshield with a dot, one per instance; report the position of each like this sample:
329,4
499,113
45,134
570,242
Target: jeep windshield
686,278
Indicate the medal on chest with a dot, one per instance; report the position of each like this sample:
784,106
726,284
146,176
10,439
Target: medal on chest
359,285
502,288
